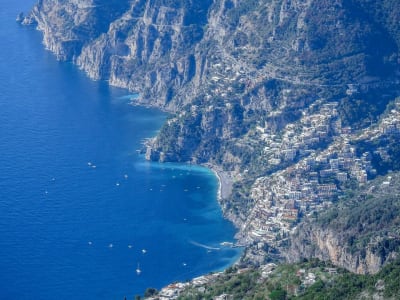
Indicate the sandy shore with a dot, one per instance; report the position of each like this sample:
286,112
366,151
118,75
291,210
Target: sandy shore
224,180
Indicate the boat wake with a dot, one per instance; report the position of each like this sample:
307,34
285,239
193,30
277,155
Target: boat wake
204,246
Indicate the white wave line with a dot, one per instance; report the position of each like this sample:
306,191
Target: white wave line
204,246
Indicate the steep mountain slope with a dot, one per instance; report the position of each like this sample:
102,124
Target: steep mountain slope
68,25
288,96
299,42
311,279
361,232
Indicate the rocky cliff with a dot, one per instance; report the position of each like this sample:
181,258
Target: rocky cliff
360,233
328,245
259,87
173,52
145,46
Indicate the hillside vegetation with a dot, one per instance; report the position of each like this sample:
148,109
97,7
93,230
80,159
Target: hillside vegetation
308,280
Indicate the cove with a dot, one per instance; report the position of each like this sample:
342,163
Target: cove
80,208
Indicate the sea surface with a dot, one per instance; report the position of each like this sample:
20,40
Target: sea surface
80,208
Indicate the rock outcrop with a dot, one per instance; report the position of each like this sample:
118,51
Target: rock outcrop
360,234
328,246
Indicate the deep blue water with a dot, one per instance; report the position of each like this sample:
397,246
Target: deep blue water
72,231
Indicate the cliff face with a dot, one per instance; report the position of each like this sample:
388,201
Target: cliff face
68,25
360,233
145,46
328,245
172,52
260,88
150,49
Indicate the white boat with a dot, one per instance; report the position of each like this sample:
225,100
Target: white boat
138,271
20,17
227,244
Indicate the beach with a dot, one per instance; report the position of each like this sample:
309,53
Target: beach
225,182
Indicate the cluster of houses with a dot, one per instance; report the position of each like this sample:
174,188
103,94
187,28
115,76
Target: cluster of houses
299,139
316,177
173,290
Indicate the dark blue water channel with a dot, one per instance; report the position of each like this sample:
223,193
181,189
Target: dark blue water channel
80,209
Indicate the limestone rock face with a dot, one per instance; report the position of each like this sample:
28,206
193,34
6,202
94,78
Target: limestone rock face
174,51
328,245
360,234
68,25
145,46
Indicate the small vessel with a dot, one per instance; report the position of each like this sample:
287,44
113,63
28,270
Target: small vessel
227,244
144,251
20,17
138,271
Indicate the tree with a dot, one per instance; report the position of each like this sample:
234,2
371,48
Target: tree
150,292
278,294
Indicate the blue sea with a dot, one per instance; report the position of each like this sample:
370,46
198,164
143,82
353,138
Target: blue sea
80,208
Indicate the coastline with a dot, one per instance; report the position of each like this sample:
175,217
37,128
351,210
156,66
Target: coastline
225,186
225,181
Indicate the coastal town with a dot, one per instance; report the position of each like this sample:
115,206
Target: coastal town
316,177
299,278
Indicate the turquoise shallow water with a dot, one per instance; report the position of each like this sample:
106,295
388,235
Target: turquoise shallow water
69,230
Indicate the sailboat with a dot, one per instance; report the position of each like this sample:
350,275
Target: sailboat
138,271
